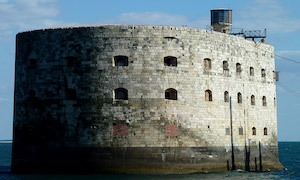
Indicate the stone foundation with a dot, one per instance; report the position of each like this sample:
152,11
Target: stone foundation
169,160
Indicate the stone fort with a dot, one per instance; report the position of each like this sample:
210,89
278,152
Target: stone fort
143,99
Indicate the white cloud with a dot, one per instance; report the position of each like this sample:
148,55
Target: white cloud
157,18
21,15
270,14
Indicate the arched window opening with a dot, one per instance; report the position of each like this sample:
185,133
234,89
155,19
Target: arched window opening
70,60
121,93
70,94
263,73
265,131
208,95
171,94
251,71
252,100
241,132
227,130
207,63
225,66
274,101
226,96
32,63
121,60
239,98
254,131
238,68
170,61
31,94
264,101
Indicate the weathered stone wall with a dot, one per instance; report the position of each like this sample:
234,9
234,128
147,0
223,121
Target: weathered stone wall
64,99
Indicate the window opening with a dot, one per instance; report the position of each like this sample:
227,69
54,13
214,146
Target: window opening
265,131
208,95
252,100
227,130
170,61
70,94
207,63
263,73
31,94
121,60
238,68
71,60
121,93
239,97
225,66
254,131
226,96
251,71
241,130
32,63
264,101
171,94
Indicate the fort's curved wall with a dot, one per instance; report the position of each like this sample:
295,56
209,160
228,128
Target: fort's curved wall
66,117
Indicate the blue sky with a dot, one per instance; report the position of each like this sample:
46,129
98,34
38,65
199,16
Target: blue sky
281,18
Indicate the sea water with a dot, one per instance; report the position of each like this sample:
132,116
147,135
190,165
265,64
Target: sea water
289,155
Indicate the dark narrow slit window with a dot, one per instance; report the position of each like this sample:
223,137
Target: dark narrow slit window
171,94
31,94
225,66
208,95
252,100
121,60
238,68
227,130
265,131
32,63
239,98
226,96
121,93
71,61
264,101
71,94
254,131
251,71
263,73
241,132
170,61
207,63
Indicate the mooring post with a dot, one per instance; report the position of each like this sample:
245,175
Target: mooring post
232,149
260,158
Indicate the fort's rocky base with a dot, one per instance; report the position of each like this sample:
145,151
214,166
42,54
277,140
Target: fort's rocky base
143,160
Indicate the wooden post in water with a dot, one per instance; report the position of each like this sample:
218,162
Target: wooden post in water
232,149
260,158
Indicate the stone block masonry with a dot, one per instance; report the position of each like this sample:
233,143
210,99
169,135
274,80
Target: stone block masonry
142,99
